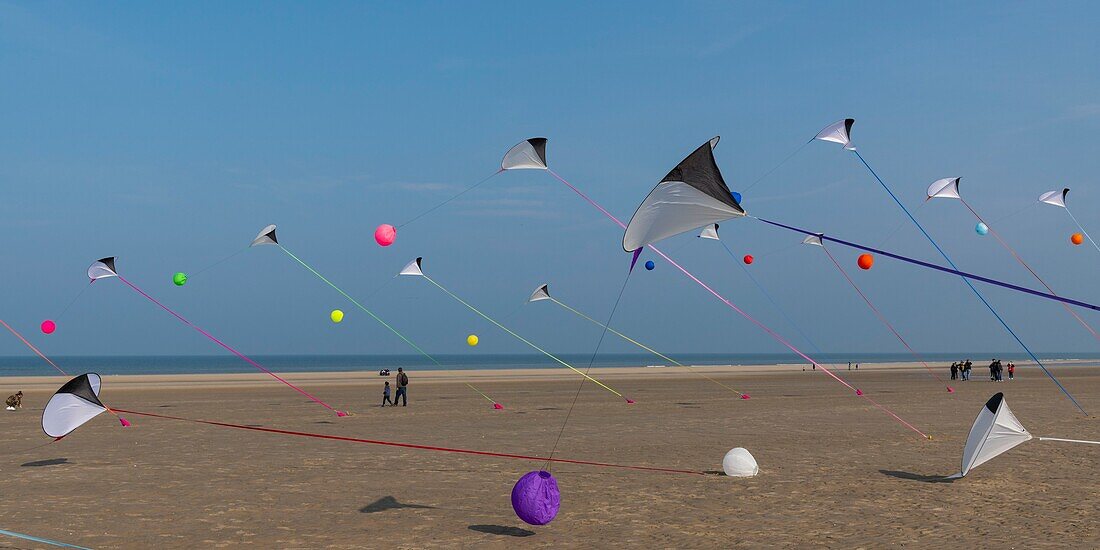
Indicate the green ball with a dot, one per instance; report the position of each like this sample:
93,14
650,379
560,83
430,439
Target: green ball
179,278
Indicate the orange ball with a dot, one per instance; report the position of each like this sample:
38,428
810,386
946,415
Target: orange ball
865,261
1076,238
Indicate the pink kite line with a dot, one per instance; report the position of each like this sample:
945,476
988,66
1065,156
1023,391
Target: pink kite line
724,300
230,349
882,318
30,345
413,445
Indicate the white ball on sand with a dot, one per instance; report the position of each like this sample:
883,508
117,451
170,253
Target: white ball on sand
739,462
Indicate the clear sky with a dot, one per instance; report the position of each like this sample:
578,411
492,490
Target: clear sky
168,134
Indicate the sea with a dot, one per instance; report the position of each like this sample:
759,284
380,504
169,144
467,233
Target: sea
213,364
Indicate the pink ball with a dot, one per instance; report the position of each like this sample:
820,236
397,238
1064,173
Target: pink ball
48,326
385,234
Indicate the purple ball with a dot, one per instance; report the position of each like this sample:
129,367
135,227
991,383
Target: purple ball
535,498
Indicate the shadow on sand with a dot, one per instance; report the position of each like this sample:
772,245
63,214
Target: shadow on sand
916,477
389,503
47,462
501,530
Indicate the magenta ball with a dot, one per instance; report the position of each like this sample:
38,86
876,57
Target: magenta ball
385,234
535,498
48,326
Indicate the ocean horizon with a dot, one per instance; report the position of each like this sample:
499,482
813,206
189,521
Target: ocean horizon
29,365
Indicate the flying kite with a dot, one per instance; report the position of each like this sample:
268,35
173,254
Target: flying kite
995,431
74,404
1058,198
542,293
845,139
415,269
723,299
948,188
105,269
267,237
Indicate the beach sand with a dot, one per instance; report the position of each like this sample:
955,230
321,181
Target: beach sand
834,471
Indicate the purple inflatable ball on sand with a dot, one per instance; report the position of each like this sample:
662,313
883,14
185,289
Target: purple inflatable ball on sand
535,498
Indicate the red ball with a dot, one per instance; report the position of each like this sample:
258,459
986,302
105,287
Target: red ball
865,261
48,326
748,258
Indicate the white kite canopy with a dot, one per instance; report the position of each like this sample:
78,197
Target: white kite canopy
739,462
710,232
74,404
814,240
1055,198
529,154
995,431
102,268
413,268
946,188
838,132
266,236
692,195
540,293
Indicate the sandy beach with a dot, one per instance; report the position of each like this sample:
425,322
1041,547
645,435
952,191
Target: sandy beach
835,471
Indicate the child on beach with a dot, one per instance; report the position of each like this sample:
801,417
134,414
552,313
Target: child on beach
386,395
1011,370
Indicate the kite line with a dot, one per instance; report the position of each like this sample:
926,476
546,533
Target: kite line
41,540
882,318
244,357
645,347
732,306
415,446
30,345
921,263
520,338
377,318
970,284
1028,268
1082,228
460,193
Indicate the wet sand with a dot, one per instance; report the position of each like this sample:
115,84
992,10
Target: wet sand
835,471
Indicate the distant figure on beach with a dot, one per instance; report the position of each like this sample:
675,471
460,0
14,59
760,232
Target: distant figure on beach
386,394
1011,371
15,401
993,370
402,385
954,371
966,369
384,372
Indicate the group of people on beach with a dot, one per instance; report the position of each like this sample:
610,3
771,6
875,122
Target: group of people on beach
960,370
402,383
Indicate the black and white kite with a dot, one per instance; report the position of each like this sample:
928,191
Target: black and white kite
529,154
995,431
102,268
838,132
74,404
266,236
692,195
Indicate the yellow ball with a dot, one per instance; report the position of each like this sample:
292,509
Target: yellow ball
472,339
336,316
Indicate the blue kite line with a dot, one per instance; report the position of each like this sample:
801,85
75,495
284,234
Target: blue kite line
971,285
41,540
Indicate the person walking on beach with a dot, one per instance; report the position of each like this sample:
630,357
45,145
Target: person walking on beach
966,369
954,371
1011,371
402,388
386,394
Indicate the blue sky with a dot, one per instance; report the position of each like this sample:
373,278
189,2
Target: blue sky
169,134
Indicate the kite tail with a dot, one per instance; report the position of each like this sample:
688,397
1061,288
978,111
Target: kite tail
230,349
1028,268
971,285
377,318
41,540
647,348
1079,226
522,339
882,318
414,445
30,345
751,319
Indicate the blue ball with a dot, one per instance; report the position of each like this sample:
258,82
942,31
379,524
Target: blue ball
650,265
982,228
736,196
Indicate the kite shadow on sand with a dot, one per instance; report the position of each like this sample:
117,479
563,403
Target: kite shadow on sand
390,503
47,462
916,477
501,530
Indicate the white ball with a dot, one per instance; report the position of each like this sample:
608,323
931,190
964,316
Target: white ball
739,462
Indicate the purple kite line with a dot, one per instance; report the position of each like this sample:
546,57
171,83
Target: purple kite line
724,300
230,349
